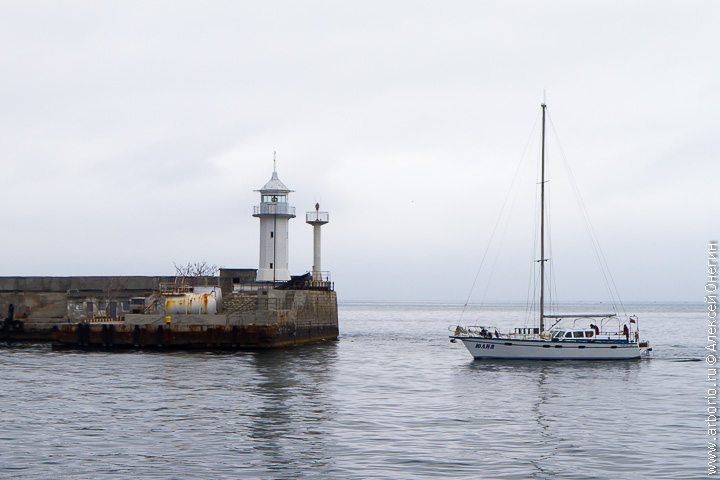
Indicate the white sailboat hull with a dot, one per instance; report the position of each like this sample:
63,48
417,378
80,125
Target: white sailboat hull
502,348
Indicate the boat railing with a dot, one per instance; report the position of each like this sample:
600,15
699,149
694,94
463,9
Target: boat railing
471,329
489,331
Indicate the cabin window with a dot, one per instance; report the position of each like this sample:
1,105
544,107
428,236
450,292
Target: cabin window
589,333
568,335
578,334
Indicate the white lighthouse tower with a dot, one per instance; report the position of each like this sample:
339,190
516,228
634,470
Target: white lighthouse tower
274,213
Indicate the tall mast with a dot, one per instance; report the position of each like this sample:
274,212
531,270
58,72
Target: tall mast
542,224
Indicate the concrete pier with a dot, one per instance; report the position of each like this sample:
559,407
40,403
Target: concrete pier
241,308
97,312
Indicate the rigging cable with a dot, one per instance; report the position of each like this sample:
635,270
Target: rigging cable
530,301
610,284
553,302
550,277
500,215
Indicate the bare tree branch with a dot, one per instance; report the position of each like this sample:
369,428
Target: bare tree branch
193,270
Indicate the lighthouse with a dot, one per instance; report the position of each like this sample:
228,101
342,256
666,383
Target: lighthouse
274,213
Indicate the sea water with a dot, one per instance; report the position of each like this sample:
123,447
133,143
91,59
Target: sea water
392,398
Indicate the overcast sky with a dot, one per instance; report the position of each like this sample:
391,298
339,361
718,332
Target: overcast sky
134,134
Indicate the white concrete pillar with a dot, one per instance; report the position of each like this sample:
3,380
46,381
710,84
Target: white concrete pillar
317,267
317,219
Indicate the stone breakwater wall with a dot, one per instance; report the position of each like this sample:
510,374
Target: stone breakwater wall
53,299
41,303
262,319
65,310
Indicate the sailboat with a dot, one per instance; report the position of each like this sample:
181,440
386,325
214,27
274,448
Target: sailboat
584,336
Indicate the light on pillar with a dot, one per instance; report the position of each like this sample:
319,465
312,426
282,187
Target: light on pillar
317,219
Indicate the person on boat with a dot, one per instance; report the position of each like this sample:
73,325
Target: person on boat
497,335
483,332
596,328
626,332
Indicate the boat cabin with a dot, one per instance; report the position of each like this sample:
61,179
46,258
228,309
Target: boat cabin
573,334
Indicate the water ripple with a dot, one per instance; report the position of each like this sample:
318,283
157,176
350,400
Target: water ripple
391,399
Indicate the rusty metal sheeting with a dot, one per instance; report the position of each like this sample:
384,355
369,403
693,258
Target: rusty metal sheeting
191,303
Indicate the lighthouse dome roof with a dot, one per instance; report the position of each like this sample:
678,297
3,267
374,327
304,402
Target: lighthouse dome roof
274,185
